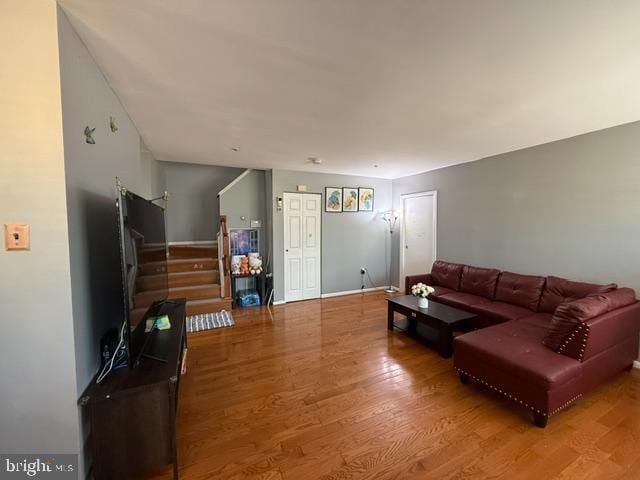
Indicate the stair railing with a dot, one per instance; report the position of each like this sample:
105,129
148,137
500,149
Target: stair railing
224,260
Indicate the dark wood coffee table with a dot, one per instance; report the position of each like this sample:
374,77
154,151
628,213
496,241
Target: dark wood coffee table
442,318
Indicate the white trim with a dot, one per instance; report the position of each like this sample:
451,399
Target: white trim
352,292
201,242
636,364
434,194
340,294
235,180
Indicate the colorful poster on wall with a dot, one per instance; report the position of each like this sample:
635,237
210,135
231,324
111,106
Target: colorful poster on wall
349,199
365,199
333,199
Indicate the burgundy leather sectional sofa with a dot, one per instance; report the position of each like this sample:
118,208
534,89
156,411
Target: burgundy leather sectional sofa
543,342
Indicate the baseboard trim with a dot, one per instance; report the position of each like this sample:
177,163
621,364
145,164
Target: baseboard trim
199,242
353,292
345,292
636,364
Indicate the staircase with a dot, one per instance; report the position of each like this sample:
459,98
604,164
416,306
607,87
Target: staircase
193,274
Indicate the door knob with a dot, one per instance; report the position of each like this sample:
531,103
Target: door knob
286,250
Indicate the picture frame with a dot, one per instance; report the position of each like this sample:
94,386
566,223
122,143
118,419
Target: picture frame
350,197
333,199
365,199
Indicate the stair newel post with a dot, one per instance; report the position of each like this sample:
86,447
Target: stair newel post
226,273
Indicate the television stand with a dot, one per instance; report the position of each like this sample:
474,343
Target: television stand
132,413
153,357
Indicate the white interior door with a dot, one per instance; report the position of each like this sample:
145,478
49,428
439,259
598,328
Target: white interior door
302,246
418,234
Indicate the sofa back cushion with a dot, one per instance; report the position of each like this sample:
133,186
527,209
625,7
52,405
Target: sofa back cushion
446,274
521,290
479,281
618,298
560,290
569,315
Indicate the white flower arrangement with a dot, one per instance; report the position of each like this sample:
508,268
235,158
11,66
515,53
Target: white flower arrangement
421,290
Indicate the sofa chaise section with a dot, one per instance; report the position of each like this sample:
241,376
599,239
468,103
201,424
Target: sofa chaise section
543,342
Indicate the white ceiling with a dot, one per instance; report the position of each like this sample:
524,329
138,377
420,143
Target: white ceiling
408,85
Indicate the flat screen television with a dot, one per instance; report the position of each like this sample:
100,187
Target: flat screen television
143,255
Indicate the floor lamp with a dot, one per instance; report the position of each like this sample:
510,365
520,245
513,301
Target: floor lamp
391,217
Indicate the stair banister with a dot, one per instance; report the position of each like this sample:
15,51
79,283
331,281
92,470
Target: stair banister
224,259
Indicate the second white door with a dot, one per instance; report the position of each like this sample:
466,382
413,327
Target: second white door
418,234
302,246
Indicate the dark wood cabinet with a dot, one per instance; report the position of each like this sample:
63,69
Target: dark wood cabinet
132,413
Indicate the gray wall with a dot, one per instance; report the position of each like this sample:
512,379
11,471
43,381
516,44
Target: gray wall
569,208
349,240
192,212
246,199
38,411
268,225
90,170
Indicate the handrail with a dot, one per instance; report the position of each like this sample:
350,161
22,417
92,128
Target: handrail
225,273
234,181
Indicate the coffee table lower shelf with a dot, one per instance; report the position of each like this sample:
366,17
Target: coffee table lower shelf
442,321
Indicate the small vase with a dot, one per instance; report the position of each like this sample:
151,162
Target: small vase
423,302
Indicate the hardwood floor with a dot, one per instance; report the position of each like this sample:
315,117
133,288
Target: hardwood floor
321,390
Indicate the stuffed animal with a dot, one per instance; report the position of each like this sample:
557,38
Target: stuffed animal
255,264
235,264
244,266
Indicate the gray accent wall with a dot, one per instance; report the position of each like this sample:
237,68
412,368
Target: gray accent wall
90,171
38,410
246,199
350,240
192,211
570,208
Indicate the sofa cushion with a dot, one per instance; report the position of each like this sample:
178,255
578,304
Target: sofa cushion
462,300
512,353
521,290
571,314
500,311
446,274
439,291
479,281
560,290
618,298
541,319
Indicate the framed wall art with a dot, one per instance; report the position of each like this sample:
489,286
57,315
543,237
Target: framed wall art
349,199
365,199
332,199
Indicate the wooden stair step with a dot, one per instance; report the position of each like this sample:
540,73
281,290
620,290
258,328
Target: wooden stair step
152,254
192,292
180,265
208,305
196,292
178,279
193,251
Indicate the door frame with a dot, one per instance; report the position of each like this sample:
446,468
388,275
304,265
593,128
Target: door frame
284,204
434,194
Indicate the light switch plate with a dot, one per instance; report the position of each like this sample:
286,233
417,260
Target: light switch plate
16,236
